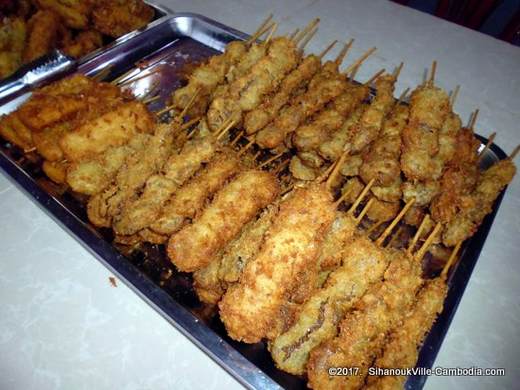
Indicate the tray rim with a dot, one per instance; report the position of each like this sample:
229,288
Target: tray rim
230,359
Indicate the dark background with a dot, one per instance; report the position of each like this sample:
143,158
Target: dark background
498,18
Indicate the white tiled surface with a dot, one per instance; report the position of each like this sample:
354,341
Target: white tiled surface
63,326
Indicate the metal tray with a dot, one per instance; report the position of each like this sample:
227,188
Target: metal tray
161,11
167,46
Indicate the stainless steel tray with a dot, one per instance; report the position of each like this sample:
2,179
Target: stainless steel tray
161,11
167,46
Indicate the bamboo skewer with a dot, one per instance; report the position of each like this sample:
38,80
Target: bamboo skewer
293,34
260,29
360,197
397,70
360,60
151,99
454,95
307,39
337,166
343,53
224,129
418,233
245,148
489,142
237,138
374,77
361,215
372,228
342,198
473,119
396,220
270,160
133,80
424,248
514,152
271,33
327,49
432,73
451,260
313,23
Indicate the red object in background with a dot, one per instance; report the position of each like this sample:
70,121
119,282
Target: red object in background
469,13
473,14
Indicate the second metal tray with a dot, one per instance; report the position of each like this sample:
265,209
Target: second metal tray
168,46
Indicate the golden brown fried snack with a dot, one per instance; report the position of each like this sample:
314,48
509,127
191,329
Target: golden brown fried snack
195,246
84,43
74,13
114,128
55,170
15,131
363,331
191,198
93,175
12,42
402,349
118,17
249,309
42,35
363,264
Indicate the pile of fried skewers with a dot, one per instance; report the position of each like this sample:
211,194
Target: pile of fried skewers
327,282
33,28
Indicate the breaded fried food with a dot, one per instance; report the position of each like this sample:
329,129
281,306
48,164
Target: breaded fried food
301,171
74,13
191,198
244,248
479,203
144,210
195,245
402,349
129,181
118,17
249,308
47,141
363,264
91,176
84,43
42,35
115,128
65,99
211,282
363,332
15,131
55,170
13,32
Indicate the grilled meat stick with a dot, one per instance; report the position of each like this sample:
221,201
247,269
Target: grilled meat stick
195,246
248,309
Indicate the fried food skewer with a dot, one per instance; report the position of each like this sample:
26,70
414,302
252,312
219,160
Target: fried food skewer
249,308
196,245
363,331
325,86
